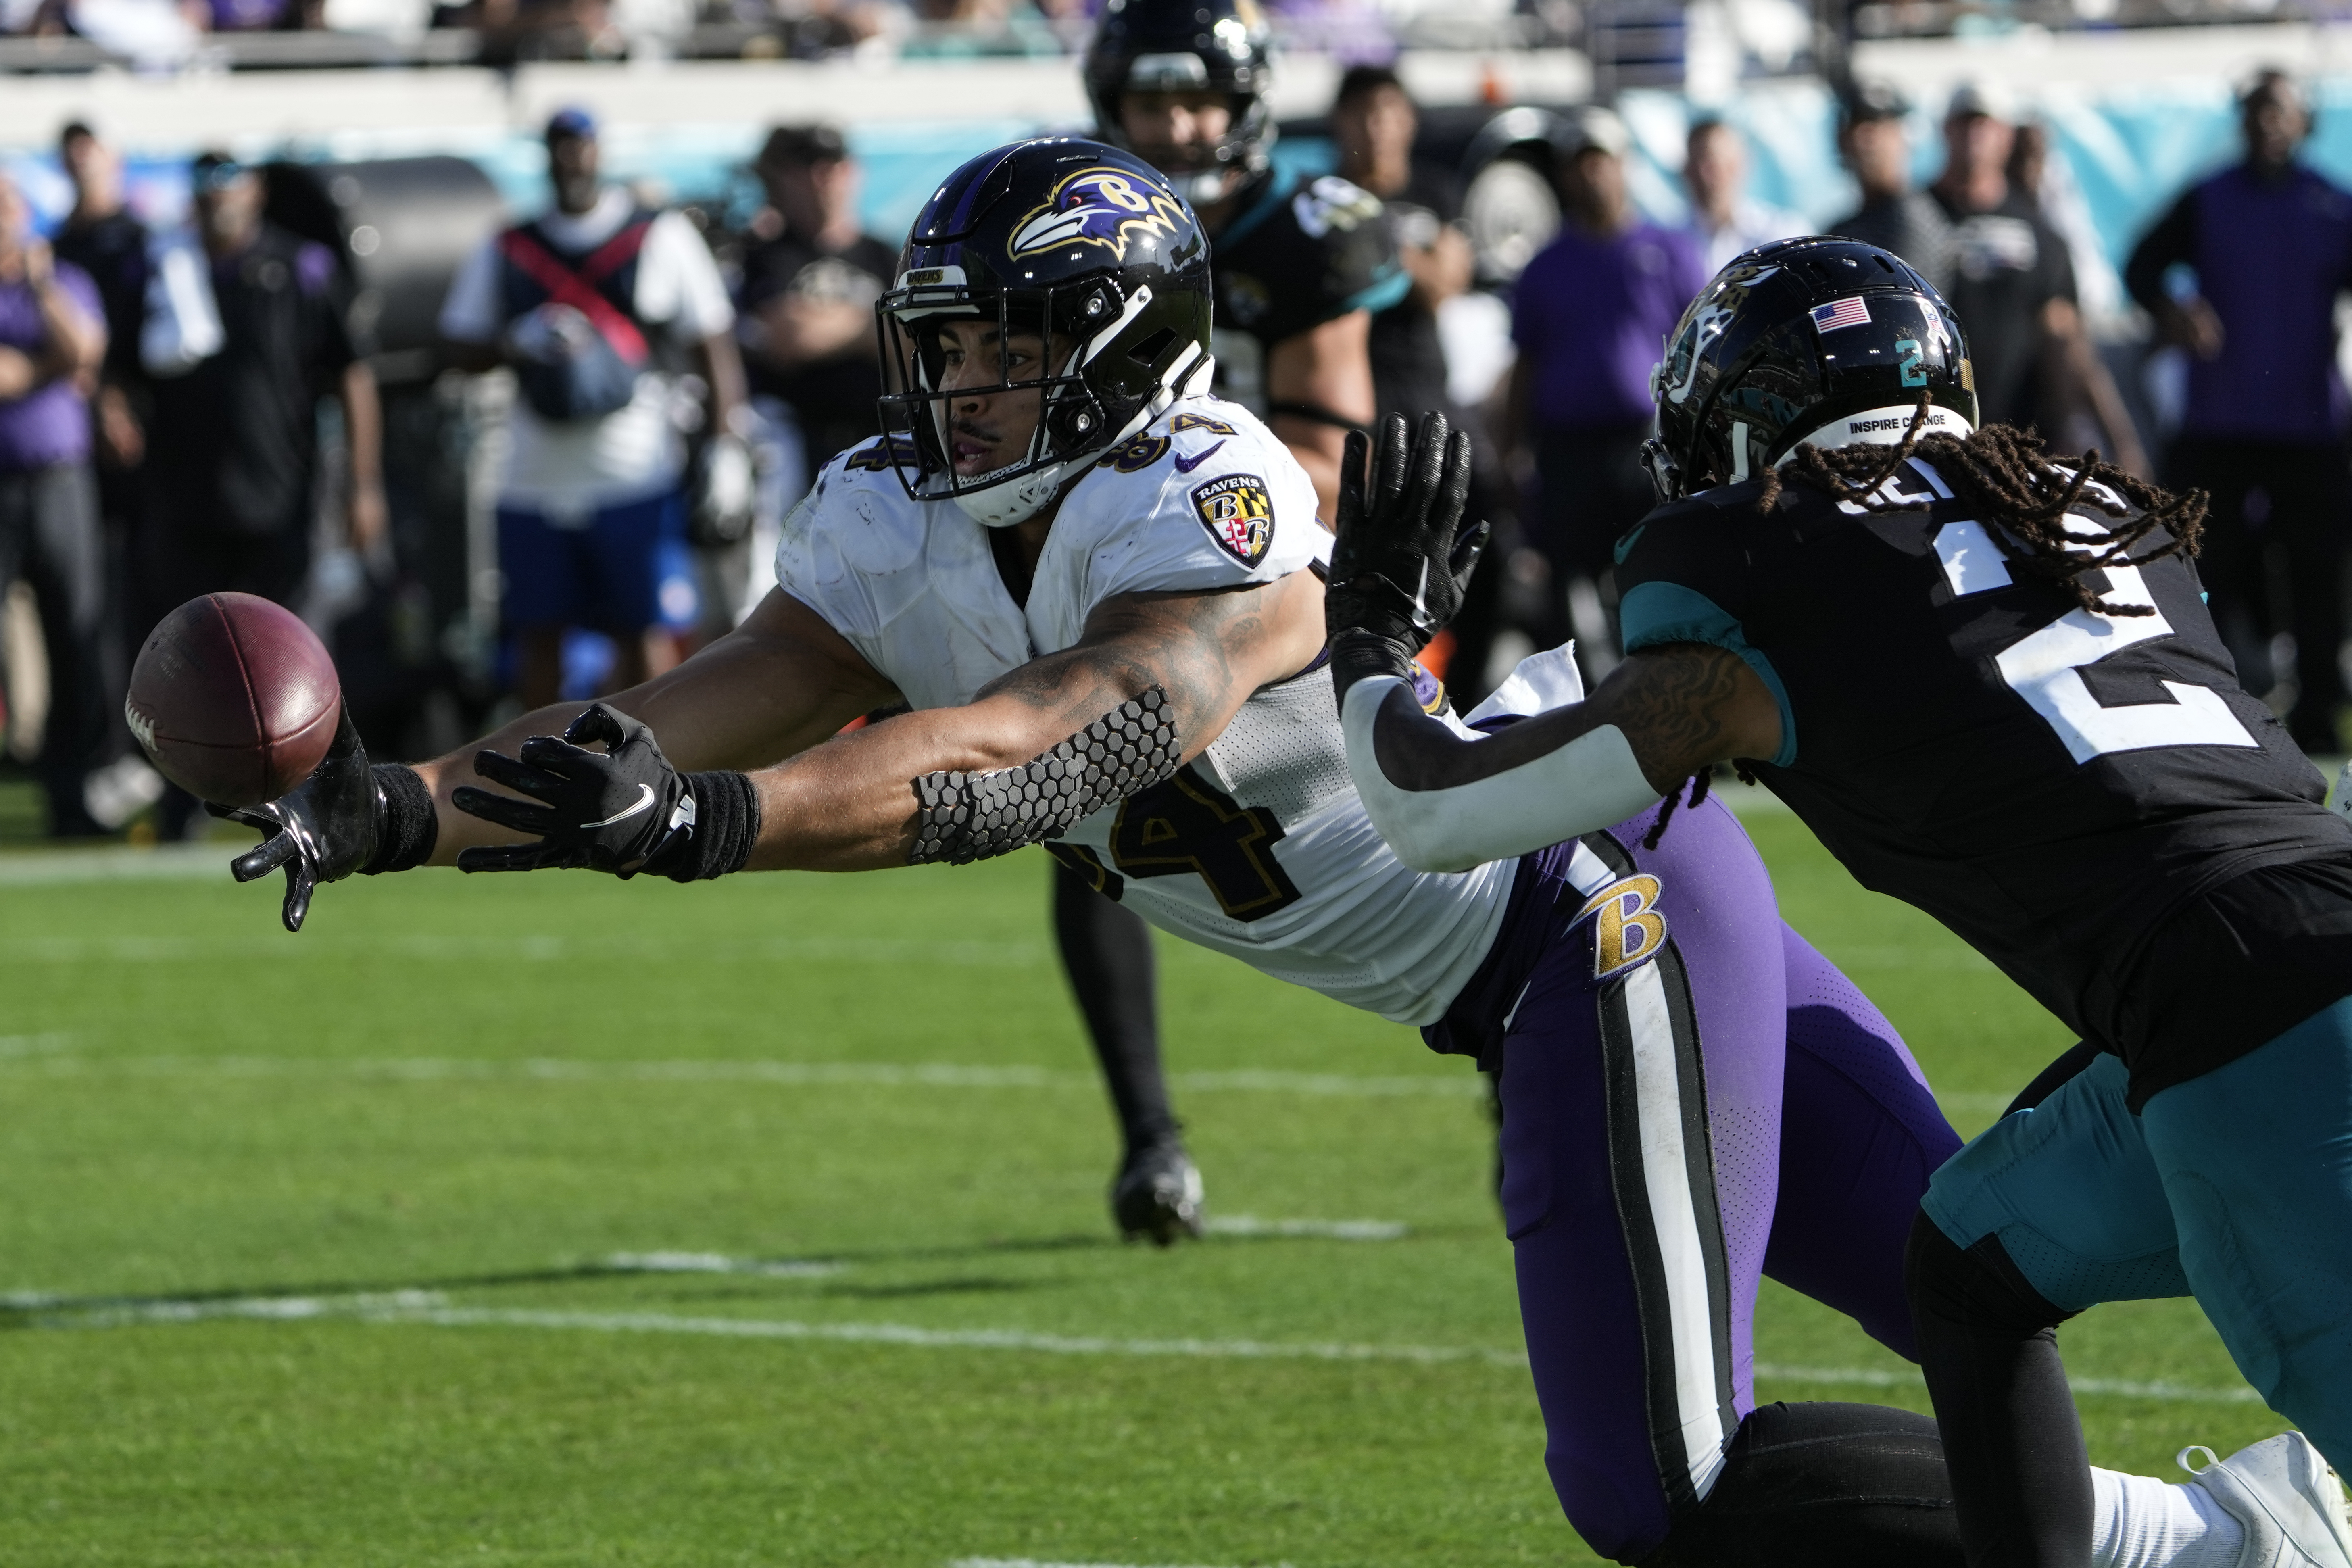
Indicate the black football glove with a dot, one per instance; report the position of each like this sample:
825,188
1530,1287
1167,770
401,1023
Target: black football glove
624,809
322,830
1402,560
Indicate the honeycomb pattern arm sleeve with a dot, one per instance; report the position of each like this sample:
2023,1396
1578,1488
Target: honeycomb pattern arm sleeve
962,818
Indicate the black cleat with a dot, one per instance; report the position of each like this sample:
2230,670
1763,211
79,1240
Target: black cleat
1157,1194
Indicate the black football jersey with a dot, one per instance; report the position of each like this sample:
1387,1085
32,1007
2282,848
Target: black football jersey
1300,252
2050,782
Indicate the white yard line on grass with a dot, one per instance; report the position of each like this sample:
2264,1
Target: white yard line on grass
1322,1229
430,1309
913,1074
715,1263
165,862
525,947
1038,1562
32,1045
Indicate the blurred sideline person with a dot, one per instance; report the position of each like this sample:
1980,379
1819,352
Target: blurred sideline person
811,276
1122,655
1299,269
1895,215
596,305
1589,314
52,340
2269,242
1725,220
2013,284
244,335
101,237
1374,123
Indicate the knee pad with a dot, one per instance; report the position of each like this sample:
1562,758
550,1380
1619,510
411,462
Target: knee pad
1822,1485
1976,1287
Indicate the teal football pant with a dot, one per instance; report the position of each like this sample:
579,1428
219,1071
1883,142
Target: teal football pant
2234,1187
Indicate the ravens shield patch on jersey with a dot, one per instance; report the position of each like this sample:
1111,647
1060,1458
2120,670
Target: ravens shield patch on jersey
1238,512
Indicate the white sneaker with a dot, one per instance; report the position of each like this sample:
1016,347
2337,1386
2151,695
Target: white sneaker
2289,1502
120,791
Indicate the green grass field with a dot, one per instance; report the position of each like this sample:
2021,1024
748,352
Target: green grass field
552,1220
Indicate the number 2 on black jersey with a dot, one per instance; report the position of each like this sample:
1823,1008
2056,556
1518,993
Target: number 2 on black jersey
2045,666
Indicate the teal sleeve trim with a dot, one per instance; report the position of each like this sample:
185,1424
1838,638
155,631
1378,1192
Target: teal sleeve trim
1656,612
1383,293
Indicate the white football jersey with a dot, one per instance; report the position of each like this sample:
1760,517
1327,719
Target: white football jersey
1259,847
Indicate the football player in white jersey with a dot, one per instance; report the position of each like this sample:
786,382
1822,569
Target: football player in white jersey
1096,588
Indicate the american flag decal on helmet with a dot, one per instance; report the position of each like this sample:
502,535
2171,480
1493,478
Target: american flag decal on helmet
1846,312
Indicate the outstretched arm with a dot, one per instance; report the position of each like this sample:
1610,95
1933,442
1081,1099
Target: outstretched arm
1155,677
779,683
1445,803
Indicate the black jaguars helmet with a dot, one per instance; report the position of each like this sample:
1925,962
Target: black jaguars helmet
1079,243
1176,45
1824,341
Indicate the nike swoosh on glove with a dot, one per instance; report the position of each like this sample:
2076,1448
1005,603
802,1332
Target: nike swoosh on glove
624,809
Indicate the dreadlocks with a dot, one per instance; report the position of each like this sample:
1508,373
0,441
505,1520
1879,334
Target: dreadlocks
2021,495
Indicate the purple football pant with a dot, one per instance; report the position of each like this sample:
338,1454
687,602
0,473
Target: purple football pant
1723,1104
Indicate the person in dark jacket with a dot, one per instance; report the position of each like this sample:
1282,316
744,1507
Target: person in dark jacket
2243,272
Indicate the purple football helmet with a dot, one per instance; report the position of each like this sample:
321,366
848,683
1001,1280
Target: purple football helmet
1084,249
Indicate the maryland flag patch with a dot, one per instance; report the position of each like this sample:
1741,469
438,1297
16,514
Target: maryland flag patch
1239,515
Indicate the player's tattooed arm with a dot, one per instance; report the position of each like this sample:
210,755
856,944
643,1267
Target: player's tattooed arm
1687,706
852,804
782,682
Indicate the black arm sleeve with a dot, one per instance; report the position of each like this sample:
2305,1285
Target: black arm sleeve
2173,239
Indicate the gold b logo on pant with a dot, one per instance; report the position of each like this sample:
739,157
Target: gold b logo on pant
1629,931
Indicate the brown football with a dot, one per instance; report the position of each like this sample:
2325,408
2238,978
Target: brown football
234,699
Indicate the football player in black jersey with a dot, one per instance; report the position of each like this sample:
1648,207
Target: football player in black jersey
1301,267
1988,682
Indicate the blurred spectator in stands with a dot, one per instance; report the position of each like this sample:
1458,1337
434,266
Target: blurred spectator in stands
1724,220
2244,273
811,276
1893,216
2014,288
516,31
592,529
247,332
52,338
2078,412
101,238
255,15
1591,310
1374,123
